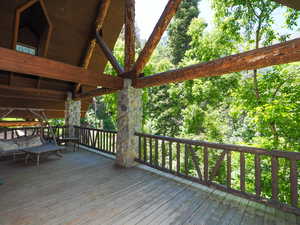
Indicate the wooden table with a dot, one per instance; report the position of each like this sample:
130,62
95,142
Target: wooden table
46,149
66,140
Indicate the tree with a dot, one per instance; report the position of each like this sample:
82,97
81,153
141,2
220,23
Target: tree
179,40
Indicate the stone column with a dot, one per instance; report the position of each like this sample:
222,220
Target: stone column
72,115
129,121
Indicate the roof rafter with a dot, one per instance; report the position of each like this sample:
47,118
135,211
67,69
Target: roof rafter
259,58
156,35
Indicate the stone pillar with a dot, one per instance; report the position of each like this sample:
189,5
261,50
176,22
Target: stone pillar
129,121
72,115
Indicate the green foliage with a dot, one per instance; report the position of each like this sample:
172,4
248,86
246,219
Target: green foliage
179,40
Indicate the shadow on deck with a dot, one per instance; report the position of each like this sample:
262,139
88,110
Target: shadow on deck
86,188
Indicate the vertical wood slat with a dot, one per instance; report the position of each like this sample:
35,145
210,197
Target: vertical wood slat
110,142
150,152
294,183
163,147
170,156
114,143
156,152
257,176
186,160
274,165
205,152
98,140
145,149
140,148
229,169
242,171
178,158
107,142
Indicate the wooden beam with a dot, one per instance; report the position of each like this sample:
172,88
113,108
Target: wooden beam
156,35
105,4
290,3
129,34
94,93
103,10
18,62
109,55
47,92
259,58
19,123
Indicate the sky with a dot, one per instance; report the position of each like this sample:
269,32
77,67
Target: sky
148,13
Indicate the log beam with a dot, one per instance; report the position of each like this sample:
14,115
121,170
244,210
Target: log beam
290,3
259,58
129,34
156,35
60,95
18,62
94,93
105,4
109,55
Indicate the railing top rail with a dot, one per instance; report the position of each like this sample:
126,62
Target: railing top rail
229,147
96,129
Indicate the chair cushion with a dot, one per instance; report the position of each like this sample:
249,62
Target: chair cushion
26,142
7,146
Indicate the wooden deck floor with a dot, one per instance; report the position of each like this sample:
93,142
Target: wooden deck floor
85,188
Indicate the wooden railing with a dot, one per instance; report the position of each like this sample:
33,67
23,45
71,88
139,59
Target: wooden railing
265,176
261,175
98,139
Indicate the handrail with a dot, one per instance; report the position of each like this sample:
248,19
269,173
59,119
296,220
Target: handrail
226,167
239,148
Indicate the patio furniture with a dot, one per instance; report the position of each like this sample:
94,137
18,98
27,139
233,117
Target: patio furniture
38,151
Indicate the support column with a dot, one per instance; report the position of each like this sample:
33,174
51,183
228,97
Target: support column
72,115
129,122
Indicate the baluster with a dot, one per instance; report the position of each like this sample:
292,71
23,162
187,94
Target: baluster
242,171
186,160
170,156
294,183
140,148
257,175
145,149
151,151
107,142
178,157
114,143
229,169
156,152
206,164
25,132
274,178
5,134
98,139
163,154
110,147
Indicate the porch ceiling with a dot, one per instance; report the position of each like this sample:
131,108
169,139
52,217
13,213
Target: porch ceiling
69,42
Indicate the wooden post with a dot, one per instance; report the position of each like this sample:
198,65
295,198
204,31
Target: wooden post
129,100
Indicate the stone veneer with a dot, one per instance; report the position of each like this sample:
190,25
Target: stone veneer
129,121
72,115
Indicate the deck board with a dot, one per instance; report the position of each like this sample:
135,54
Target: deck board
84,188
